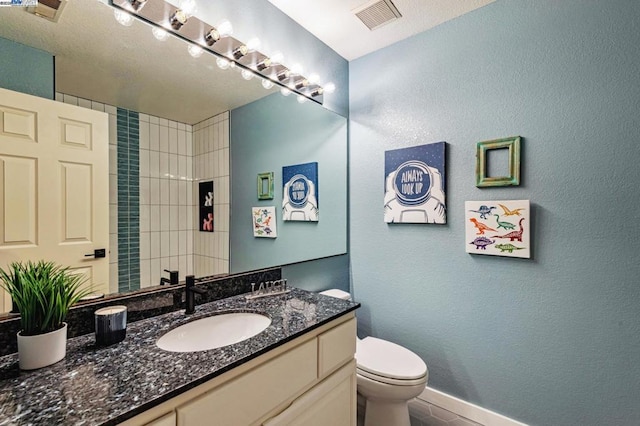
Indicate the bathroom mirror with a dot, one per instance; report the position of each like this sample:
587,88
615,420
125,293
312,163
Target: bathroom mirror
98,59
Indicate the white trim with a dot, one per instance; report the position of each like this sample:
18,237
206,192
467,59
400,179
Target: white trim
465,409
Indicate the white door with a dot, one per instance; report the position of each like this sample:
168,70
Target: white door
54,190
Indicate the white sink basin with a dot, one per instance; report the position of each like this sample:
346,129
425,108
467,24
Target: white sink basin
213,332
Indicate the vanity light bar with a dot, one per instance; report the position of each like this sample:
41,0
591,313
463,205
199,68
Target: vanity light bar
218,41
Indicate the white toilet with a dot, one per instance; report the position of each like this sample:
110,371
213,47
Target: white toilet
389,376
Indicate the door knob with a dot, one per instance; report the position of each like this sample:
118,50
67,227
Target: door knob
97,253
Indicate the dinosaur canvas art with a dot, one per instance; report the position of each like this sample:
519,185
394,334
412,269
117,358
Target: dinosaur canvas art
498,228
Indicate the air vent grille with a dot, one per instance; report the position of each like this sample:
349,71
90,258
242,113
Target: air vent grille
376,14
48,9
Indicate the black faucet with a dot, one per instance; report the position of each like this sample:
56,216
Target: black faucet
190,293
173,278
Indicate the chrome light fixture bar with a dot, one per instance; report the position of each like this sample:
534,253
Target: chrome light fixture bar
217,40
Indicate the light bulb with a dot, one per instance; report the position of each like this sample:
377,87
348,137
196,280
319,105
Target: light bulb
222,63
253,44
313,78
246,74
195,51
188,7
267,84
285,92
329,88
277,58
296,69
301,99
225,29
160,33
123,17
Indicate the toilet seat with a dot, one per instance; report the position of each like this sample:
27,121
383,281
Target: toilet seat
389,363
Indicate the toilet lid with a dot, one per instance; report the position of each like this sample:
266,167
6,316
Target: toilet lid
387,359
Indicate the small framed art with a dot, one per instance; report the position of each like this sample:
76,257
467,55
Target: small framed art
512,175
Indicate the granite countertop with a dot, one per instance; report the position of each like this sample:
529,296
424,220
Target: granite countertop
105,386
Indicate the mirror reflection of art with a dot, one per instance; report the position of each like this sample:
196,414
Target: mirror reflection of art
498,228
414,184
300,192
264,222
205,197
265,186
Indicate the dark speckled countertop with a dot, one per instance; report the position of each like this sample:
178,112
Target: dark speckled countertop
105,386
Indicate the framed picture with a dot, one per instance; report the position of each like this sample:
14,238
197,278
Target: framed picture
264,222
414,190
205,204
300,192
265,186
512,175
498,228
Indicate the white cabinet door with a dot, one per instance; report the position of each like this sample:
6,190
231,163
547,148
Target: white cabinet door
54,185
332,402
166,420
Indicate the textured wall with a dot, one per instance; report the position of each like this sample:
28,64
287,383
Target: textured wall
265,135
553,340
32,74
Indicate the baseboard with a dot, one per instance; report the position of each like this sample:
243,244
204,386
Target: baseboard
420,408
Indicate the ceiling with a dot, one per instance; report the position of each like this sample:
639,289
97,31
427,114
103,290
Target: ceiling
99,59
333,21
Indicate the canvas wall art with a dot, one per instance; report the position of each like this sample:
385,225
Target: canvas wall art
264,222
414,187
498,228
205,196
300,192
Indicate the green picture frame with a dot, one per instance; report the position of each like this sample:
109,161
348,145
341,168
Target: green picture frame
513,178
265,186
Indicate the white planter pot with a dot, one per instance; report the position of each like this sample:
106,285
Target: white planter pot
43,349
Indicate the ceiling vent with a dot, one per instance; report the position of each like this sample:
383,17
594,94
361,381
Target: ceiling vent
376,14
48,9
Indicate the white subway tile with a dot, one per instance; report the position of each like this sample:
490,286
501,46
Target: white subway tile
181,126
113,248
164,165
173,192
145,218
143,117
174,218
164,139
174,238
164,192
154,191
113,130
173,166
111,110
154,218
113,219
173,141
97,106
113,159
59,97
113,277
164,122
154,120
156,271
154,164
145,273
113,189
173,124
154,245
84,103
165,218
182,142
145,168
72,100
144,135
165,245
145,245
154,137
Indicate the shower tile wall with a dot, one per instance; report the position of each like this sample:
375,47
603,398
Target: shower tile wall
166,199
211,162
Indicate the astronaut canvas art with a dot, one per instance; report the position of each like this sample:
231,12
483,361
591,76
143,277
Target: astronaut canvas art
414,190
300,192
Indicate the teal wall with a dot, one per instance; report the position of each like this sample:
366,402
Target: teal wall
33,73
266,135
554,340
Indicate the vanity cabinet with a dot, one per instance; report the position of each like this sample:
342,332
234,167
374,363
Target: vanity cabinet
310,380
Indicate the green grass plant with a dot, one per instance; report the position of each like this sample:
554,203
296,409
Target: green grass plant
43,292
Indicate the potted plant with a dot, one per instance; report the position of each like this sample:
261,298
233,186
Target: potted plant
43,292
